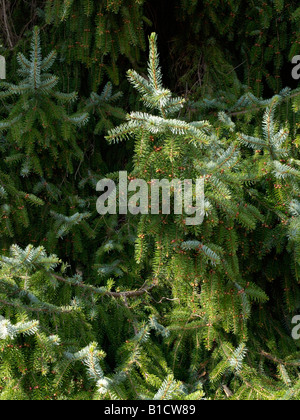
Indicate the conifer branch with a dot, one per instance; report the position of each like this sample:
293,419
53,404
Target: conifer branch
101,291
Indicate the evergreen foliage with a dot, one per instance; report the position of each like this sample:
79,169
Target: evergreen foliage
210,269
36,364
100,33
140,306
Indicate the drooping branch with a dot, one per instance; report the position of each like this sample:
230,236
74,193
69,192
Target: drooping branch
5,23
7,10
131,294
101,291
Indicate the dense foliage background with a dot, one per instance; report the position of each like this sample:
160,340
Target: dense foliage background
143,307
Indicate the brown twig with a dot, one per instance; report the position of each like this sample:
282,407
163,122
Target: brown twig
6,24
130,294
278,361
246,111
7,9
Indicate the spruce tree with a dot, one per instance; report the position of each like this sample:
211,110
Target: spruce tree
42,154
218,287
147,306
